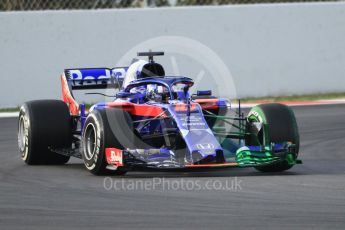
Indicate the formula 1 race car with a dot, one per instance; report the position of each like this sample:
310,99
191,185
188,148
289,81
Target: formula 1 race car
153,122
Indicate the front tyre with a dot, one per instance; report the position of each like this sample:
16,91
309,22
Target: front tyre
282,127
108,128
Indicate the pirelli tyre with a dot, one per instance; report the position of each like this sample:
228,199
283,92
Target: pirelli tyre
42,126
282,127
107,128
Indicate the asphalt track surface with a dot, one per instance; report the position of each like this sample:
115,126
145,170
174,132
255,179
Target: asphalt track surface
309,196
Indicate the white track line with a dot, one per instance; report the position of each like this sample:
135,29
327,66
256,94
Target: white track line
11,114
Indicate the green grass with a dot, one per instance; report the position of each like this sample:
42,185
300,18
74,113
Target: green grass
311,97
7,110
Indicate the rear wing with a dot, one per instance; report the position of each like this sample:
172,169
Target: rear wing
90,78
95,78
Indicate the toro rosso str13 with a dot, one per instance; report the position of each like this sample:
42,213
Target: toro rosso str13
153,122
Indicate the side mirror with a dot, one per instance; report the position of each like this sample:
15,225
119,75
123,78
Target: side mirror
122,94
204,92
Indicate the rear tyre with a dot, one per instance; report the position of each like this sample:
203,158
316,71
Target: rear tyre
108,128
282,127
43,125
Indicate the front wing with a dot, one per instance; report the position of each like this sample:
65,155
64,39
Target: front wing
247,156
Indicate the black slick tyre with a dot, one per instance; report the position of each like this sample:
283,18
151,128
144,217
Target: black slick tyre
107,128
44,125
282,127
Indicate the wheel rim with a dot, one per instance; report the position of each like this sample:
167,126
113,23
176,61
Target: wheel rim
90,141
21,134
